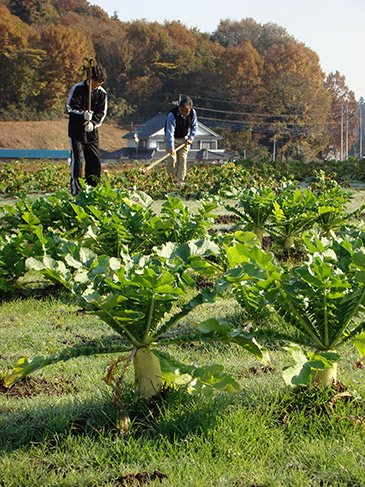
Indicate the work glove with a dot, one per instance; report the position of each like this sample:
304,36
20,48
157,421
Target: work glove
88,116
89,126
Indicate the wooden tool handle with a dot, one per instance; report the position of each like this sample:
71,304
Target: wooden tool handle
163,157
88,64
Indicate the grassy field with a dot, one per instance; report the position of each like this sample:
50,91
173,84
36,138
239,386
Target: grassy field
59,427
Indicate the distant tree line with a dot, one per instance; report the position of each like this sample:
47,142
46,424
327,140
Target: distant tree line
252,83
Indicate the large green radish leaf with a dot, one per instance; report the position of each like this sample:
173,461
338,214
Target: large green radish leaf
204,379
24,367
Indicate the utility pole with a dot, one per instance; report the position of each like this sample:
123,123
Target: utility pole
347,131
360,130
274,149
341,148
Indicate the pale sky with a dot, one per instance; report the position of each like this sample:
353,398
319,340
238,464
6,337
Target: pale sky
334,29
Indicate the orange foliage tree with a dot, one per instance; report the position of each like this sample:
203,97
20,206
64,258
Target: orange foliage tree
342,113
61,71
258,75
20,61
295,99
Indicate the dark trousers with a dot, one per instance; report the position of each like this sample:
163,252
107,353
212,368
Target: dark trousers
89,152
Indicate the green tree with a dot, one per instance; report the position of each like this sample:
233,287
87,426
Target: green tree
19,82
28,11
232,33
272,34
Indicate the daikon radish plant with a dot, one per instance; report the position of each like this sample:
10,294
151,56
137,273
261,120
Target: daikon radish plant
293,213
322,301
254,207
331,201
139,299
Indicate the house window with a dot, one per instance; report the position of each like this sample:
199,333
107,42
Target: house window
142,144
160,145
208,145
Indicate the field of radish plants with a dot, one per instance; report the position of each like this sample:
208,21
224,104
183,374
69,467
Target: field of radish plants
206,336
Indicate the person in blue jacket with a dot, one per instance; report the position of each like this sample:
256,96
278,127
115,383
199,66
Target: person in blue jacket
180,128
83,127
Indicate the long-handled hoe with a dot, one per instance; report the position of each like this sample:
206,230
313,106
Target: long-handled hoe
88,64
148,168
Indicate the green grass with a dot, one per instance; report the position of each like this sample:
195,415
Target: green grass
61,430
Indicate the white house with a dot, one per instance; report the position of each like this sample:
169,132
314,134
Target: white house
147,142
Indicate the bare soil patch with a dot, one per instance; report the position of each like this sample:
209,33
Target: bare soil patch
31,386
52,135
140,479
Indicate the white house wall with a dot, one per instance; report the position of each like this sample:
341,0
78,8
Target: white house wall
202,135
155,140
202,131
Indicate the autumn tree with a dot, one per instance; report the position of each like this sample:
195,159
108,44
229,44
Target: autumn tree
183,46
343,112
14,34
28,11
20,61
19,83
147,45
271,34
193,59
59,73
189,60
161,61
256,74
38,69
296,101
71,5
233,33
110,45
239,71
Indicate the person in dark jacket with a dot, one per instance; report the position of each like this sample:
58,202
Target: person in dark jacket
83,127
180,128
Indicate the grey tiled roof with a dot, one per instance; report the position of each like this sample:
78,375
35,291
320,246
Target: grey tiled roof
154,125
117,154
132,153
211,155
147,129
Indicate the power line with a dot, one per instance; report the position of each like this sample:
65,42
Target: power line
249,122
334,103
194,97
241,126
263,115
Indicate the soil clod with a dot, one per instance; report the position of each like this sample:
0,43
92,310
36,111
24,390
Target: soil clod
140,479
